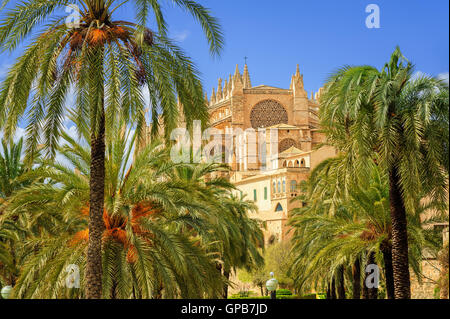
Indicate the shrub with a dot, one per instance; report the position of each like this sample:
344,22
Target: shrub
236,296
243,294
309,296
288,297
284,292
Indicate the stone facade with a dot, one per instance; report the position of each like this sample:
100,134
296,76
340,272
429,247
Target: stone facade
431,270
270,181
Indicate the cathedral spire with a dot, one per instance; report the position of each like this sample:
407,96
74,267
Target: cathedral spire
237,74
246,75
219,90
297,72
297,83
213,97
225,89
237,85
297,79
206,98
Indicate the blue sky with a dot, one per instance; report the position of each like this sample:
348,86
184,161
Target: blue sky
319,35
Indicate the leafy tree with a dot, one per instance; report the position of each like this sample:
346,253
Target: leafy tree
277,259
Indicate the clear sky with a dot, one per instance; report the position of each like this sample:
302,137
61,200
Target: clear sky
319,35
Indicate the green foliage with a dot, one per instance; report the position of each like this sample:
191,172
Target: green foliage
321,296
237,296
278,259
380,122
387,116
243,294
182,224
337,230
291,297
310,296
283,292
109,63
106,64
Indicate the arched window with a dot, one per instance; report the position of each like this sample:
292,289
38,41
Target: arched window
279,187
274,187
284,186
284,164
302,163
293,185
290,164
279,208
297,164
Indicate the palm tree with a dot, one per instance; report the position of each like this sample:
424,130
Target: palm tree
143,248
166,225
12,170
365,111
357,232
242,248
107,62
11,167
237,237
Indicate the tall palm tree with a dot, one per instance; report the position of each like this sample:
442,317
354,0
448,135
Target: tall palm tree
237,237
357,232
142,247
367,112
166,225
107,62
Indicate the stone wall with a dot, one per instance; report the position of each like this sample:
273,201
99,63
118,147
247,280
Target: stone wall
431,272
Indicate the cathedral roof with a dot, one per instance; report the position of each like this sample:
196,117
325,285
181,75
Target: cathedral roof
292,150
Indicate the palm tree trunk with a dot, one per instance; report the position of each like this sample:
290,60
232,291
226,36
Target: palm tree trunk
328,291
341,283
388,272
443,280
96,204
226,274
365,291
333,289
158,293
12,276
114,289
372,292
356,272
400,264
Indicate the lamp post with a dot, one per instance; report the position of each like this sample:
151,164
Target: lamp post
271,286
6,292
